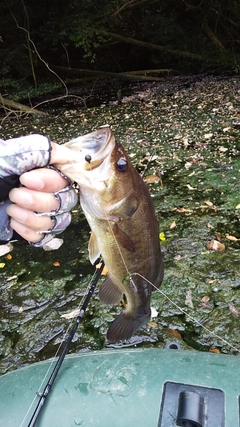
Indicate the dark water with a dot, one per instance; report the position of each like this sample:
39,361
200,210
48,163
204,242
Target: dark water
187,134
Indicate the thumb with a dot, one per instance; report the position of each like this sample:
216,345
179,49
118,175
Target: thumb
61,154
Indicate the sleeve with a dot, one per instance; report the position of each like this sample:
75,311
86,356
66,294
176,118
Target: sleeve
19,155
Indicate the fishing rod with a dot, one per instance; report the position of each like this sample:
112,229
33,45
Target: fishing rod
59,362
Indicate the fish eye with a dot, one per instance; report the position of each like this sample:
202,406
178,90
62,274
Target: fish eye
88,158
122,165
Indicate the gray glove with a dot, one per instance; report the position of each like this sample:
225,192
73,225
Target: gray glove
19,155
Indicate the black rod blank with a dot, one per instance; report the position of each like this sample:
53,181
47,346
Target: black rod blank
59,362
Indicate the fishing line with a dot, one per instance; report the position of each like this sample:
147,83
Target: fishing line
43,395
187,314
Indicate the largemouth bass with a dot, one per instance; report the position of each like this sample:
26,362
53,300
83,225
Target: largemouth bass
124,227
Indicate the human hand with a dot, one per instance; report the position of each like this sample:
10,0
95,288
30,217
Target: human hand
41,208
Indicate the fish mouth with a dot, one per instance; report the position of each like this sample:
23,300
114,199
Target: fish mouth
94,147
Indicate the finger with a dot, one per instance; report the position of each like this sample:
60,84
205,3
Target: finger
62,155
33,200
25,232
29,219
47,180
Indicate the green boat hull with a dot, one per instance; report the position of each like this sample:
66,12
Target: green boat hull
122,388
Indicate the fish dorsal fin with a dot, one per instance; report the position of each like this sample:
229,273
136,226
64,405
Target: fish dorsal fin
122,238
93,249
109,293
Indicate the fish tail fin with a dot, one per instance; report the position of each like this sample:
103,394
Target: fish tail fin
125,325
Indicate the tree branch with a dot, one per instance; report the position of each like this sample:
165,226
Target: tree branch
130,40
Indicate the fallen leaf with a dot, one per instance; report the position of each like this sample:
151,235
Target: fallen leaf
173,225
2,264
20,310
208,135
190,187
153,324
105,271
223,149
162,236
204,301
151,179
173,332
210,225
219,236
214,350
56,264
53,245
154,312
9,256
211,281
70,315
183,210
207,202
238,206
232,238
188,300
11,278
233,310
214,245
4,249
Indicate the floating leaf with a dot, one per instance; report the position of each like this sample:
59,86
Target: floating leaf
4,249
183,210
162,236
190,187
232,238
2,264
53,245
223,149
233,310
154,312
208,135
204,301
20,310
56,264
207,202
214,350
214,245
210,225
173,225
153,324
105,271
71,315
174,332
188,300
151,179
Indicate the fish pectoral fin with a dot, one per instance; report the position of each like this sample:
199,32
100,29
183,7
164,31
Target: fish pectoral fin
93,249
125,326
126,207
122,238
109,293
